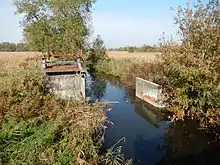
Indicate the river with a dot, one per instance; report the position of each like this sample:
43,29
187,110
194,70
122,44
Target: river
148,137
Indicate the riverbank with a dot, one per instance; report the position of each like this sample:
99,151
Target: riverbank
144,129
38,128
128,69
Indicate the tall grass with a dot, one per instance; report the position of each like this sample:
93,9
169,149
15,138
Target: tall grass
190,70
38,128
128,69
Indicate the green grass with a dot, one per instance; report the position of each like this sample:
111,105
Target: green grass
38,128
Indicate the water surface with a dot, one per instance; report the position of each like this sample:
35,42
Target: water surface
149,138
141,128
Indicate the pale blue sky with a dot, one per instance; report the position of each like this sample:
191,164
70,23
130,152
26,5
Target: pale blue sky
119,22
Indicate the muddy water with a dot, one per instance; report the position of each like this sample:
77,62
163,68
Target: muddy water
149,138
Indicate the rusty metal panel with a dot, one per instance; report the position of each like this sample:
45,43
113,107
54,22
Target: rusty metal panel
58,69
60,62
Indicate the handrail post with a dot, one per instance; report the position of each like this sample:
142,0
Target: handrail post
43,63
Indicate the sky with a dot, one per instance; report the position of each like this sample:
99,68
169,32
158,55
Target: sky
119,22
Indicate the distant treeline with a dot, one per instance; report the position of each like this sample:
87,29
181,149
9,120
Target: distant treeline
12,47
144,48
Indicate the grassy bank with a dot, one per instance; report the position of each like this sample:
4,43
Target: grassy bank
188,71
38,128
195,92
128,69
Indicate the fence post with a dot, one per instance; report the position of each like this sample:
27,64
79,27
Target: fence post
43,63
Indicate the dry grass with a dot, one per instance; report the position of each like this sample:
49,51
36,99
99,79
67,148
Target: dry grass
27,109
127,66
118,55
17,59
17,56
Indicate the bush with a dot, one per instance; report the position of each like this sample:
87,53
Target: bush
38,128
95,54
128,69
191,68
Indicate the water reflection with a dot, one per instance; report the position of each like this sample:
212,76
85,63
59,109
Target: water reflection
142,138
149,113
95,88
150,139
187,144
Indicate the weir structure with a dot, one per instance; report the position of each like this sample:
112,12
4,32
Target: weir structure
66,79
149,113
149,92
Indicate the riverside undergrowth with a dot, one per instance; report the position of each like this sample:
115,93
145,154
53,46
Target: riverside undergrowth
188,71
128,69
36,127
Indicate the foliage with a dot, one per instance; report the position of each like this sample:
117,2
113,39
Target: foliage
188,70
95,54
114,156
131,49
144,48
55,26
191,68
38,128
128,69
12,47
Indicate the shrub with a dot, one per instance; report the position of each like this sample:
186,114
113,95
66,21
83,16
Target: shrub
38,128
191,68
95,54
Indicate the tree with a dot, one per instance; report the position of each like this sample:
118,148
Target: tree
191,68
131,49
11,47
95,54
55,26
22,47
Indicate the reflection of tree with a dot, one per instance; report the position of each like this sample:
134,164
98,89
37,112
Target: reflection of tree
129,95
141,147
96,89
147,150
186,144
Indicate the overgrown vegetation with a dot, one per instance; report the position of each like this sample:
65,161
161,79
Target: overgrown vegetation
144,48
189,69
38,128
128,69
12,47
